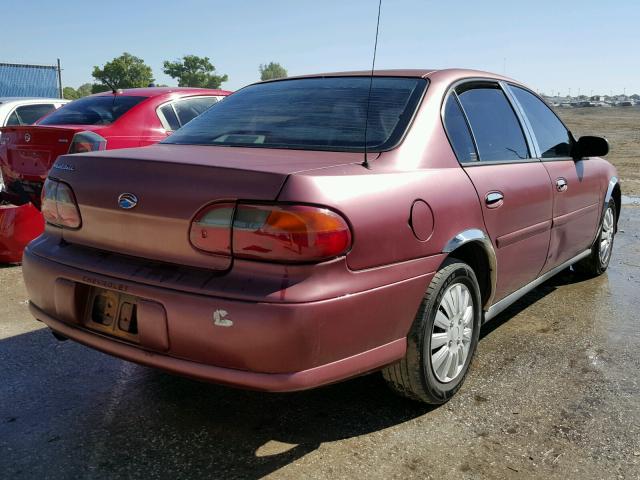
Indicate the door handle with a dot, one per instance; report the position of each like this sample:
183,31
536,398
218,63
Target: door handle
493,199
561,184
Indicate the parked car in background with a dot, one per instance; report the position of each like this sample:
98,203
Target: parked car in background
105,121
20,224
25,111
276,243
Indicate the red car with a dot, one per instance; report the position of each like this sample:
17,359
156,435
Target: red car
274,243
128,118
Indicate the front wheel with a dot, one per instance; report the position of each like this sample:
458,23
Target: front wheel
598,261
442,339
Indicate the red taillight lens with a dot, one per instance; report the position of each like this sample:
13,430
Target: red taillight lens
211,229
289,233
278,233
87,142
58,205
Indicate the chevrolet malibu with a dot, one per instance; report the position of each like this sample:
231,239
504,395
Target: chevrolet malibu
125,118
309,230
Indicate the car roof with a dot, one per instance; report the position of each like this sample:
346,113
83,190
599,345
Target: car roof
157,91
31,100
416,72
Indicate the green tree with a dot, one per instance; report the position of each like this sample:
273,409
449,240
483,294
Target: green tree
194,71
272,71
71,93
84,90
125,71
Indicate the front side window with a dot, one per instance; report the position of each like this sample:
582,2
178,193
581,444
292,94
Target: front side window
551,135
310,114
495,127
93,110
458,131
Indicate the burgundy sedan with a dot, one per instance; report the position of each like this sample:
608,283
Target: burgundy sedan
274,243
131,117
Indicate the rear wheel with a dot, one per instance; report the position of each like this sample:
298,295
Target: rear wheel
598,261
443,337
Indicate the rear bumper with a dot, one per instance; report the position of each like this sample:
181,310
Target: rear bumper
18,226
273,382
269,346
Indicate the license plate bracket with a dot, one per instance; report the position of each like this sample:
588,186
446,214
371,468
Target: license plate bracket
113,313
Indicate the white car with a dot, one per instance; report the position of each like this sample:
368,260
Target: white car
25,111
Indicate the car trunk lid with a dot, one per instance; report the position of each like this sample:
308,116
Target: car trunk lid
27,154
171,184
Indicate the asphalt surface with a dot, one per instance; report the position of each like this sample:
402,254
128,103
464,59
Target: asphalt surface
553,392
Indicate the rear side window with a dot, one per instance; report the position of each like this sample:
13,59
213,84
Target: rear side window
29,114
169,118
551,135
458,131
496,128
93,110
190,108
310,114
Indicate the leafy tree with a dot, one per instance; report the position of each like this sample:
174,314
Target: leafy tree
71,93
272,71
125,71
194,71
84,90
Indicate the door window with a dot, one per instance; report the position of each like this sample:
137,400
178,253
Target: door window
495,127
169,118
29,114
551,135
190,108
458,131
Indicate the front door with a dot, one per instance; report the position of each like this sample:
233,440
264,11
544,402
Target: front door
513,188
577,202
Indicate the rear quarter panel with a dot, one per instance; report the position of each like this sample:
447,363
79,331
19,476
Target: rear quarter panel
377,203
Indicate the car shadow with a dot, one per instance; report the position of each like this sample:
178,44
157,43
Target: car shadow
565,277
68,411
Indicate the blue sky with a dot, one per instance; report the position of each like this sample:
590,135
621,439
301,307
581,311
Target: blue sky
550,45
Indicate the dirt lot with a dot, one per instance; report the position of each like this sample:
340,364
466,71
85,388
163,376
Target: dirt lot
621,126
553,393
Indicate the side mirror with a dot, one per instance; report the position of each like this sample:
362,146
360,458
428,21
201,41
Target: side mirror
589,146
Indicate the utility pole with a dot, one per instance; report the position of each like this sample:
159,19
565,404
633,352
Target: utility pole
59,79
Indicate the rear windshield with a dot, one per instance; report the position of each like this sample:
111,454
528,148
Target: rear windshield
100,110
310,114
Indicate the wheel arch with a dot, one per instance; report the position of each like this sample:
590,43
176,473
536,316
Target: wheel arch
613,192
474,247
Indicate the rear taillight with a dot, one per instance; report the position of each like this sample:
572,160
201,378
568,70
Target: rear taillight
211,229
278,233
87,142
59,206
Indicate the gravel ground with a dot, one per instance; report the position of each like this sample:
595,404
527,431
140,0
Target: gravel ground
554,392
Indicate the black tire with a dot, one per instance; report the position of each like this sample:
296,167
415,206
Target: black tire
595,264
414,376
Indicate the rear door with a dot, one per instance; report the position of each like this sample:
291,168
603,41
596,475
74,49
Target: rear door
513,187
575,183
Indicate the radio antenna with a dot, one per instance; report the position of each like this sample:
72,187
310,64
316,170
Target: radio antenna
373,66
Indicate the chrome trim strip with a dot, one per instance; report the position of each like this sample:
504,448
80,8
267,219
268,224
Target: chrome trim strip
498,307
477,235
